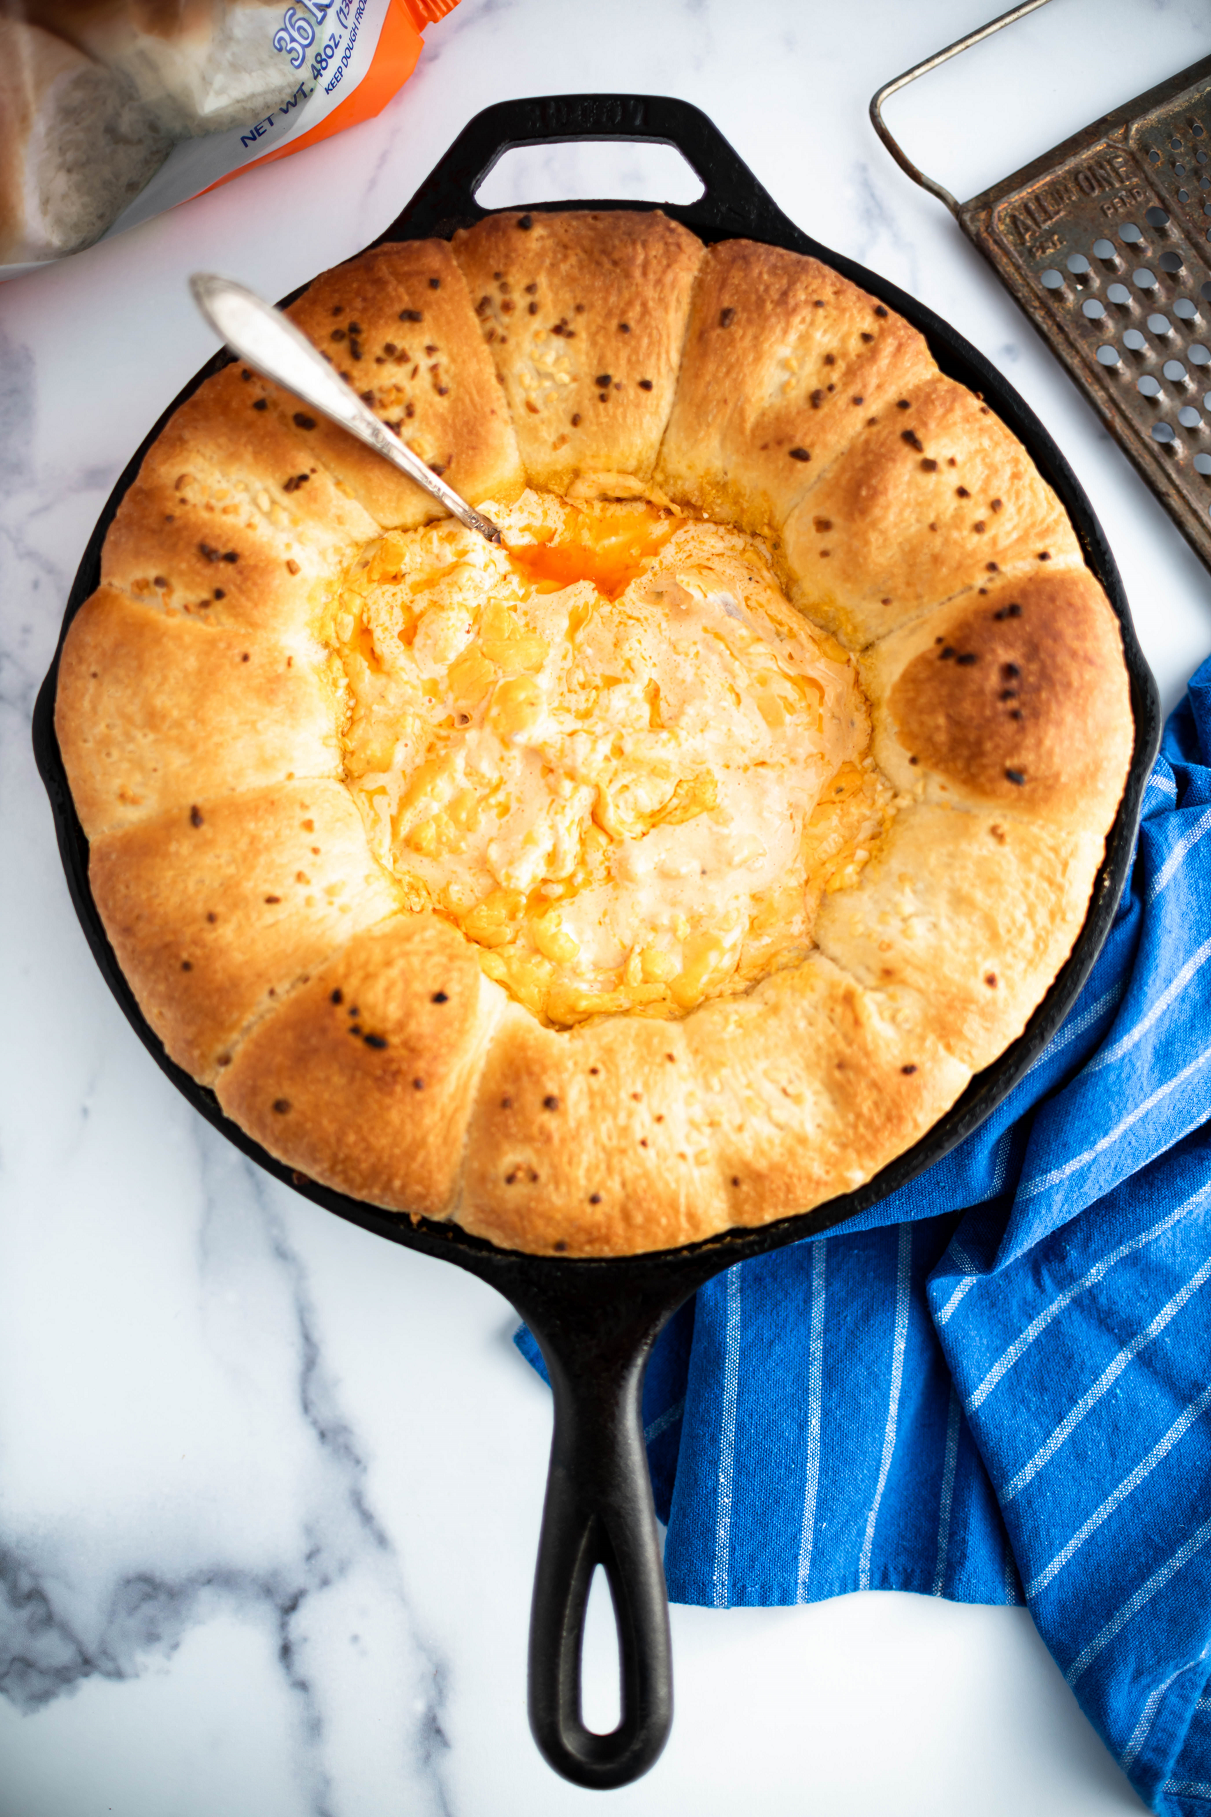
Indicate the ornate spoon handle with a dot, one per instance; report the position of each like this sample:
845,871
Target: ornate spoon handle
269,340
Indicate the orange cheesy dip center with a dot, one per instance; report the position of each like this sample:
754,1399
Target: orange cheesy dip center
608,750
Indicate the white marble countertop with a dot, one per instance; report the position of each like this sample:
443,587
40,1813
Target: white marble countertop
270,1488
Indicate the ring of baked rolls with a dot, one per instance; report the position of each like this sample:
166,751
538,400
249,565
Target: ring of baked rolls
199,723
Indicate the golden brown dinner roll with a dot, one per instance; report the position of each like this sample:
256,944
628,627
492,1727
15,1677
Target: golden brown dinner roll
218,910
584,315
975,913
593,1142
936,497
397,323
1012,697
784,363
365,1078
232,518
155,710
813,1082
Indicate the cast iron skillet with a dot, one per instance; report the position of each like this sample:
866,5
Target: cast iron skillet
596,1321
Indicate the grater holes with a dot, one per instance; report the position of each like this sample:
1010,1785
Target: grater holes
1109,289
1175,145
1154,157
1196,127
1202,464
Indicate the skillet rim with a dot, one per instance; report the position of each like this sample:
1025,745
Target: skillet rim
733,205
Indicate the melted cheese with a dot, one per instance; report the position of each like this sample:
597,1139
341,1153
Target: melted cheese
609,750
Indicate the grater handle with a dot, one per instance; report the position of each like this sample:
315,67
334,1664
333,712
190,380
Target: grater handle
922,69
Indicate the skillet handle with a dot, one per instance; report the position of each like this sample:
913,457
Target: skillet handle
599,1510
733,201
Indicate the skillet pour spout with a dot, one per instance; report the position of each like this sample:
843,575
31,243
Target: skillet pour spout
596,1321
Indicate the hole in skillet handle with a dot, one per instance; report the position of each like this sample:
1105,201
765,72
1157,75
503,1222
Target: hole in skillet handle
732,202
626,169
600,1661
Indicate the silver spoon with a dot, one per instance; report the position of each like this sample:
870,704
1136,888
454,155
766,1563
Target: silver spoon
269,340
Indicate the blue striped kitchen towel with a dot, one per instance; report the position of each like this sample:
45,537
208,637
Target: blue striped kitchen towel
995,1386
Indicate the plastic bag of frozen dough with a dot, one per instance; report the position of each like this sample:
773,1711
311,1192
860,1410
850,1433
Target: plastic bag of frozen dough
113,110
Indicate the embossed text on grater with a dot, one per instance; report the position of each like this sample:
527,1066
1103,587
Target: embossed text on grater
1106,243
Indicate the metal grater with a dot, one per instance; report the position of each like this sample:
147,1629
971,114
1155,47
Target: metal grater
1106,244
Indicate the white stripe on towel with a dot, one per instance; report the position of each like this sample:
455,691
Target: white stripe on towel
970,1271
1062,1301
1030,1187
946,1499
727,1438
664,1420
1145,1467
1134,1604
1155,1010
1173,861
1106,1380
815,1383
1148,1715
899,1339
1079,1024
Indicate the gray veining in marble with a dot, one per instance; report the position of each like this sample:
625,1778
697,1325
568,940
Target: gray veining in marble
270,1488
